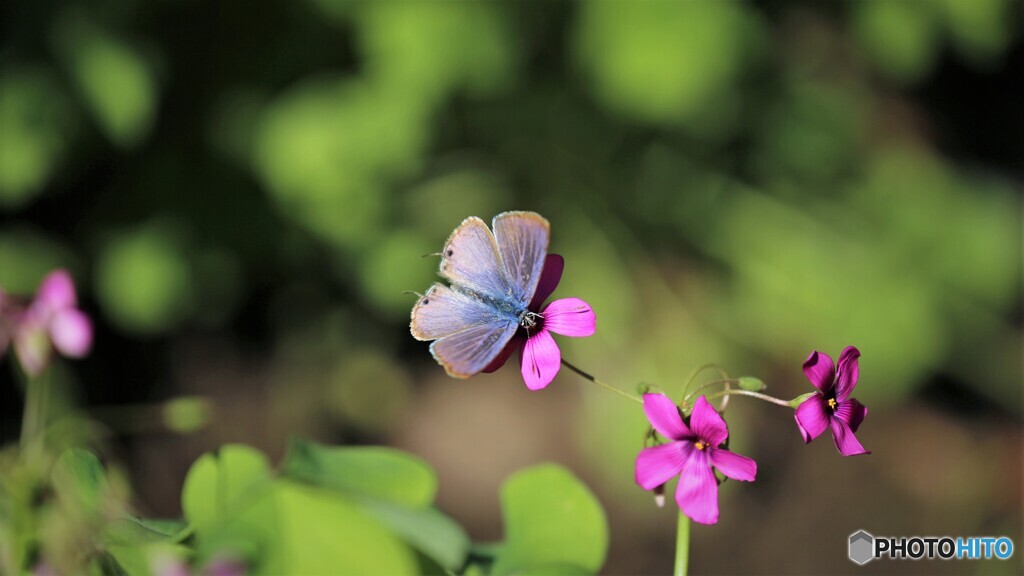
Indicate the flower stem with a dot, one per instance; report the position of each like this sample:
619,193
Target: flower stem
705,387
682,545
758,395
600,383
34,420
701,368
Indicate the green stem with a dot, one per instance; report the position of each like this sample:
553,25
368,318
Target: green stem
682,545
34,420
758,395
701,368
600,383
705,387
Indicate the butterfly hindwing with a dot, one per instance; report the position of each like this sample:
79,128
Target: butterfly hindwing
522,239
466,353
470,259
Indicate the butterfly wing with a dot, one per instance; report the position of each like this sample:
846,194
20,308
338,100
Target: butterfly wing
468,333
471,259
522,239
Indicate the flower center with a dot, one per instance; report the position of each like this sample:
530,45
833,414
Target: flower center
700,444
832,404
531,321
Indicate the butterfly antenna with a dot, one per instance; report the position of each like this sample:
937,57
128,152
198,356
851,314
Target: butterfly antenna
432,254
412,292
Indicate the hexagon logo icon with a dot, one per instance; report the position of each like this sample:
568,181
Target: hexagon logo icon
862,547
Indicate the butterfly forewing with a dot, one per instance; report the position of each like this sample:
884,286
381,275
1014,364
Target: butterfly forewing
522,239
444,311
470,259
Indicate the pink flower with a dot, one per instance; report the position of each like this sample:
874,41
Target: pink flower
690,454
831,406
540,356
51,321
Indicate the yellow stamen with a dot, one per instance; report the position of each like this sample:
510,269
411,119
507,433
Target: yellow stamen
700,444
832,403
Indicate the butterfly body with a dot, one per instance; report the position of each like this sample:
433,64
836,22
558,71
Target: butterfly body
493,279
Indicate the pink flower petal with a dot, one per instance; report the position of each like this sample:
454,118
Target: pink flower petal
541,360
732,464
707,424
550,276
570,317
57,291
664,416
846,442
659,464
812,417
851,412
697,493
820,370
71,333
847,372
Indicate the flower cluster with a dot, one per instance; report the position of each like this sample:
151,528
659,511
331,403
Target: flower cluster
35,327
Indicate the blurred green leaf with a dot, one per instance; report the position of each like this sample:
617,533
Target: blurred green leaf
552,521
35,126
421,46
79,477
115,80
662,61
129,531
901,38
320,532
425,529
144,281
219,484
980,29
187,414
382,473
328,149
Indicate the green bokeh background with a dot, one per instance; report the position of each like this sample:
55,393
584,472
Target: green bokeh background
244,191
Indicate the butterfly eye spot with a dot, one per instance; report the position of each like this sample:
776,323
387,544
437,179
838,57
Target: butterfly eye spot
450,253
426,301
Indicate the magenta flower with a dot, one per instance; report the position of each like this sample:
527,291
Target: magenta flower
50,321
831,406
540,356
690,454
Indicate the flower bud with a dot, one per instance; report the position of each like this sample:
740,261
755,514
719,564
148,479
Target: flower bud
752,384
659,496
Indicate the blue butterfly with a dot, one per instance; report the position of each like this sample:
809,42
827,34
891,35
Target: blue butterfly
493,279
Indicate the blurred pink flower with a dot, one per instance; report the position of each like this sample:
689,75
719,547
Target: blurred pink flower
541,358
690,454
50,321
831,406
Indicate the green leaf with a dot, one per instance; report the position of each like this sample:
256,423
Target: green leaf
429,531
552,521
131,530
382,473
79,477
321,532
218,484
